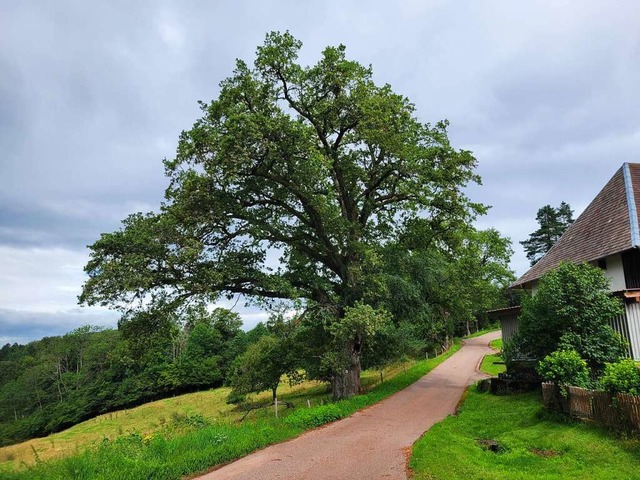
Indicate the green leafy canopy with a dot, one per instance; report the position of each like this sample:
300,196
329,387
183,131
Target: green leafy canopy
317,163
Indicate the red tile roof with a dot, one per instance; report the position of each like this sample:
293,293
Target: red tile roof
608,225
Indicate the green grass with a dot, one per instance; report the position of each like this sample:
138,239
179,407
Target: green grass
493,365
482,332
534,444
154,417
173,453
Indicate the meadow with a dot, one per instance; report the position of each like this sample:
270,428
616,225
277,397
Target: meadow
192,433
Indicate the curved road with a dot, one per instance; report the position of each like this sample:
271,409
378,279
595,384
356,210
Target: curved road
372,443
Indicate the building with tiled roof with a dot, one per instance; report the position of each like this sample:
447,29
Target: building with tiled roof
606,234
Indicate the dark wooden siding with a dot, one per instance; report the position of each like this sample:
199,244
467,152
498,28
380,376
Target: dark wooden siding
509,327
631,264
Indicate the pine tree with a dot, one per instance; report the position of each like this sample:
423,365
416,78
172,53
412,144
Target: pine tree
553,223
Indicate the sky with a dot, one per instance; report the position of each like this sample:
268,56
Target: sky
93,95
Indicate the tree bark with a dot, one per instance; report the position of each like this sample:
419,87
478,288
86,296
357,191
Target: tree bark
346,383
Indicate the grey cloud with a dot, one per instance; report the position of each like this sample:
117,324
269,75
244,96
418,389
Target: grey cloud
24,326
70,225
93,96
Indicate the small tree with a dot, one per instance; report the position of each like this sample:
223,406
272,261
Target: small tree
258,369
570,310
263,364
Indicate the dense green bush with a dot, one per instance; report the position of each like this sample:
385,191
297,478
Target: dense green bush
621,377
570,310
564,367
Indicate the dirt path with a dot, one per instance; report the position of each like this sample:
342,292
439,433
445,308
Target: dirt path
372,443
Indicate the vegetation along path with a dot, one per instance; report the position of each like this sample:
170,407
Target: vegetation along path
374,442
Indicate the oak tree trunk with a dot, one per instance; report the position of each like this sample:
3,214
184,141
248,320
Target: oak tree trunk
346,383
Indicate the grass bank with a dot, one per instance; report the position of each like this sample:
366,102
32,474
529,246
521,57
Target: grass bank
209,406
530,443
493,364
195,443
483,331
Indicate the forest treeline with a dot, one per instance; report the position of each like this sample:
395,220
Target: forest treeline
428,296
53,383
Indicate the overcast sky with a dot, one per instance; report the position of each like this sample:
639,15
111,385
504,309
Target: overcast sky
93,96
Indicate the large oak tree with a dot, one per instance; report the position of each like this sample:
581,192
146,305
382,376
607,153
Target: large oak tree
318,164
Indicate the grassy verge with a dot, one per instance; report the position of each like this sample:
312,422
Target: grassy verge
209,406
198,443
531,444
492,365
482,332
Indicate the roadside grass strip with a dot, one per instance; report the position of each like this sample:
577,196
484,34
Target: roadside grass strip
514,437
482,332
493,365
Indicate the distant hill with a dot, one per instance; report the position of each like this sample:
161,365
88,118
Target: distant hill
183,410
54,383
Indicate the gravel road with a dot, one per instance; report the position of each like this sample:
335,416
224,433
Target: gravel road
373,443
